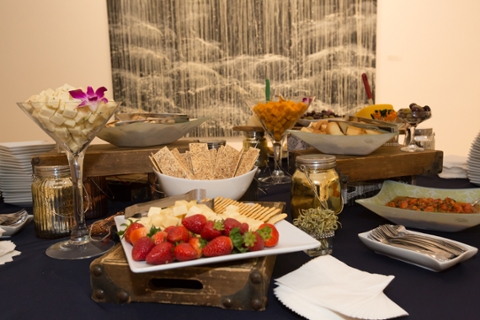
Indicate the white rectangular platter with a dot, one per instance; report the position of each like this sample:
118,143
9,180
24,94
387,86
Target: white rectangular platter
291,239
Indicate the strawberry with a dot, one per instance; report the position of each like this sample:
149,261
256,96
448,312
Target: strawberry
159,237
219,246
184,252
269,234
212,229
230,223
137,234
141,248
178,234
195,223
130,227
253,241
162,253
197,243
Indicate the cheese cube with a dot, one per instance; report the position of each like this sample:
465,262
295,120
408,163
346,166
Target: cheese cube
57,118
74,130
53,102
179,210
70,123
153,211
70,111
171,221
46,112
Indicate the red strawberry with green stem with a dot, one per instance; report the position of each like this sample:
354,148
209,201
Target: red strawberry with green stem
230,223
195,223
253,241
269,234
129,228
141,248
212,229
162,253
184,252
178,234
219,246
197,243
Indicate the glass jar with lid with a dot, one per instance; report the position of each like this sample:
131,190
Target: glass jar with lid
52,195
315,172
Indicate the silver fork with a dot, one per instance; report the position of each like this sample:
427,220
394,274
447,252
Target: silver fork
14,218
399,231
379,235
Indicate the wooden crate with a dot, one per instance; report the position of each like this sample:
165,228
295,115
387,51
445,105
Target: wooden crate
384,163
237,285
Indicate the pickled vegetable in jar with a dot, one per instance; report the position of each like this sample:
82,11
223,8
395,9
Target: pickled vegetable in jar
320,170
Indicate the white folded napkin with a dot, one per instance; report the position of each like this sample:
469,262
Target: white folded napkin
454,167
7,251
326,288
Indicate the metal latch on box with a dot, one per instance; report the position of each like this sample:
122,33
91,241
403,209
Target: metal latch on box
140,209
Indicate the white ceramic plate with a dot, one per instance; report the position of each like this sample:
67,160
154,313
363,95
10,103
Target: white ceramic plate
344,145
10,231
449,222
291,239
416,258
147,134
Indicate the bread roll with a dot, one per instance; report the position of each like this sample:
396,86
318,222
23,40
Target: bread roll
354,131
372,131
334,129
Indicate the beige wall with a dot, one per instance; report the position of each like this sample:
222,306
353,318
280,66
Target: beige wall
427,53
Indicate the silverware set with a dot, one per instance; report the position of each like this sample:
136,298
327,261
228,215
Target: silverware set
398,236
13,219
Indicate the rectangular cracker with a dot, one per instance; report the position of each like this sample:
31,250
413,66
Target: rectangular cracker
227,160
202,165
182,160
195,147
170,165
247,161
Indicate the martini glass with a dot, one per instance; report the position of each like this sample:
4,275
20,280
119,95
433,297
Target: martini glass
73,129
412,117
277,117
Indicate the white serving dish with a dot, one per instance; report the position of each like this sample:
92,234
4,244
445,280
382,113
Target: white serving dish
449,222
361,145
232,188
416,258
291,239
10,231
142,134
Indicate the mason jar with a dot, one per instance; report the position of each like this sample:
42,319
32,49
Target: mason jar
256,139
319,170
52,195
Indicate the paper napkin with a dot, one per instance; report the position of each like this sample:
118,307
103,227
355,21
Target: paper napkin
454,167
7,251
326,288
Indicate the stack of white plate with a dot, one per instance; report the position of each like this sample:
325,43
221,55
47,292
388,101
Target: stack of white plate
16,169
473,162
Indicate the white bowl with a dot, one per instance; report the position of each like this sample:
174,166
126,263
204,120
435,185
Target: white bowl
449,222
232,188
361,145
143,134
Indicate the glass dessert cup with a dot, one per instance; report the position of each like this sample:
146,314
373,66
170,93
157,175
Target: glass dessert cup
412,119
276,118
73,129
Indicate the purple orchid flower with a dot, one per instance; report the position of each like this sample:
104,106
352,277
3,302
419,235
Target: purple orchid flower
89,98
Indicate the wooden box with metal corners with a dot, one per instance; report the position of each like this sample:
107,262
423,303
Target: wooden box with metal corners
237,285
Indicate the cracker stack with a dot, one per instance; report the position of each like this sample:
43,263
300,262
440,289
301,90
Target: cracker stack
201,163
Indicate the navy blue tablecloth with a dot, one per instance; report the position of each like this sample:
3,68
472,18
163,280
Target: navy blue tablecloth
34,285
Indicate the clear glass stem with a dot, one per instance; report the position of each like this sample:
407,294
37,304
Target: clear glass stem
79,234
411,133
277,158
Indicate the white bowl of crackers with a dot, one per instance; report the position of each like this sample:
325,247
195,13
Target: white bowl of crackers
224,172
344,137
